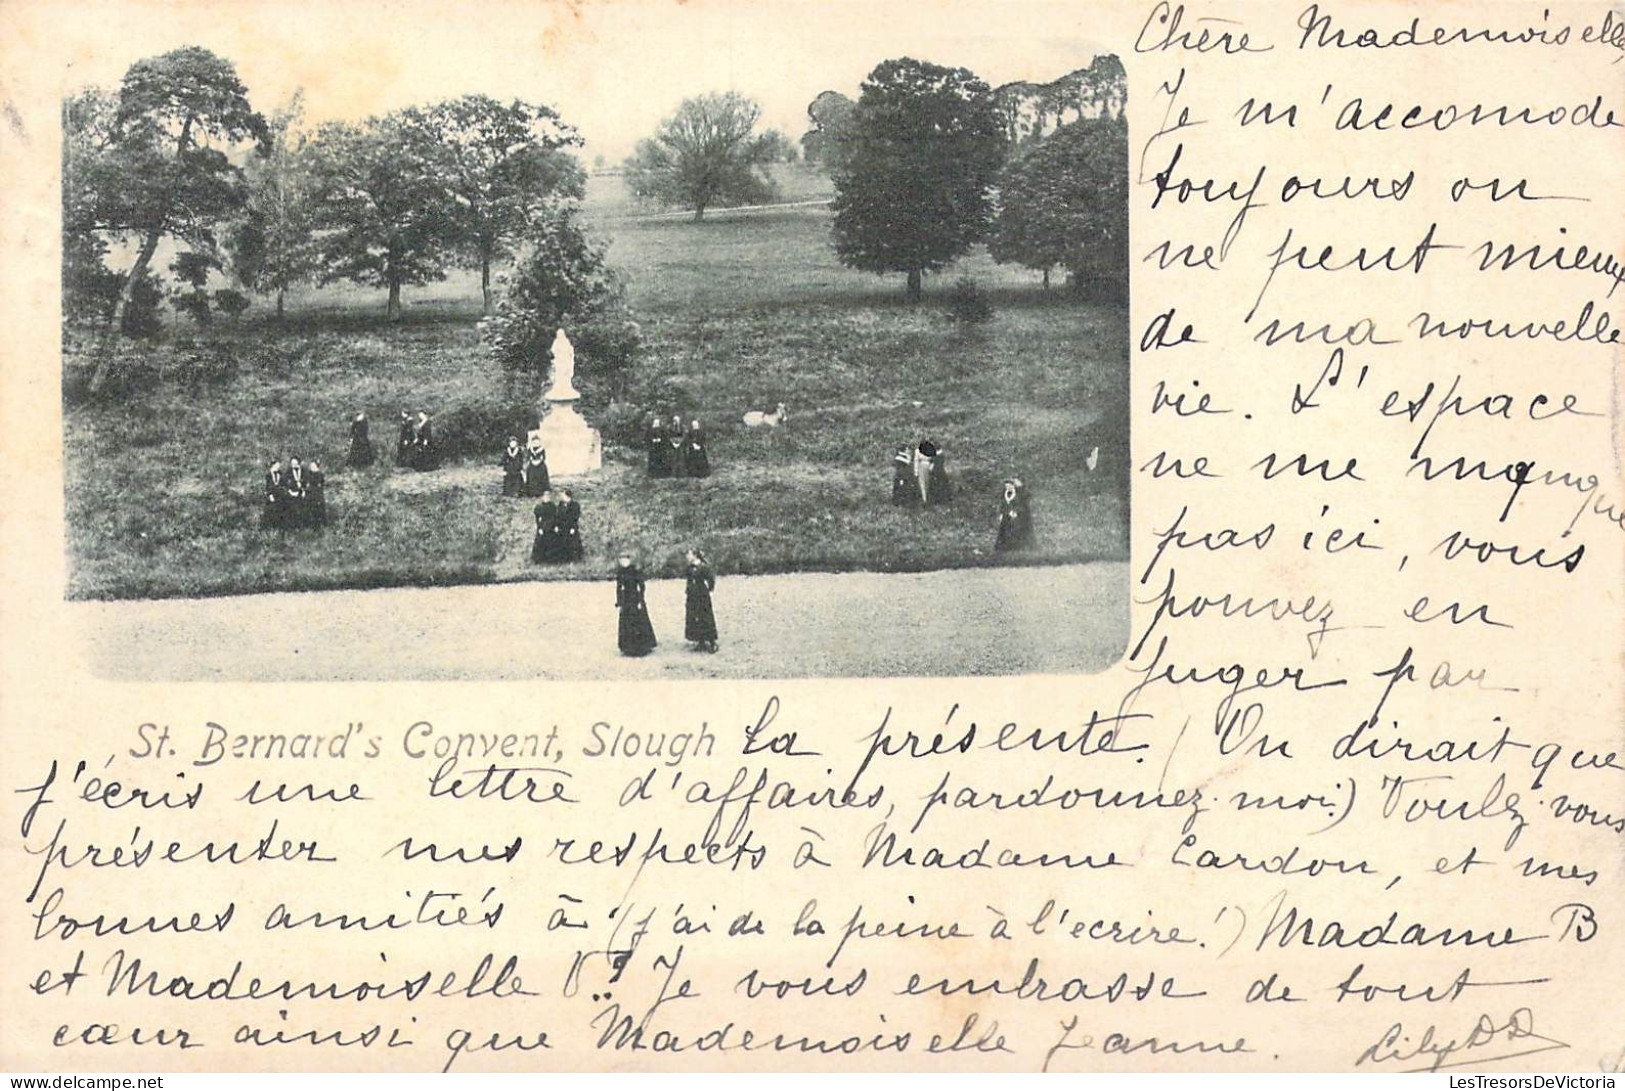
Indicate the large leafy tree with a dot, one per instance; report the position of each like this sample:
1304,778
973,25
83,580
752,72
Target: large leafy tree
89,191
920,155
1065,203
273,247
503,165
708,153
1103,86
164,169
384,215
828,115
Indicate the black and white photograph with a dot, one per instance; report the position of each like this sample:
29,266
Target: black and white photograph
700,344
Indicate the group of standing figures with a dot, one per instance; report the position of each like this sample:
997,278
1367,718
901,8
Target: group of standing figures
920,476
294,497
414,444
524,470
558,529
676,450
920,479
637,633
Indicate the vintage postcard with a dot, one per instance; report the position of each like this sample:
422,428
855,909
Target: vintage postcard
670,535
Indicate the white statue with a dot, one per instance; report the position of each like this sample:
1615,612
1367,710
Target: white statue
563,387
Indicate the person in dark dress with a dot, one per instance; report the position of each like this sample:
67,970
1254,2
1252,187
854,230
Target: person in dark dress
637,634
425,455
535,478
568,521
403,440
697,460
513,468
298,486
905,490
1015,518
544,549
941,489
315,495
699,621
677,446
659,457
274,515
361,452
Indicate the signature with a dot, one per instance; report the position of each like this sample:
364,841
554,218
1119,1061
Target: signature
1485,1041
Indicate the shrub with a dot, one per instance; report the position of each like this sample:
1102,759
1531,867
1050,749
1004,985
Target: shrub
607,347
232,303
968,304
481,430
194,305
89,288
563,279
142,318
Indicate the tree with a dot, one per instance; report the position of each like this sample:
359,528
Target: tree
192,269
273,247
503,164
384,215
919,158
775,147
1104,87
90,290
707,153
829,114
562,272
162,173
1065,202
562,279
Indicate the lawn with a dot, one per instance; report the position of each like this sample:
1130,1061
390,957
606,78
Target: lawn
742,311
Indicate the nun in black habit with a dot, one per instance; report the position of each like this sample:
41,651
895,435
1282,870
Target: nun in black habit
275,513
361,452
905,488
425,455
659,452
567,520
296,485
403,440
544,548
536,479
315,495
513,468
677,447
637,635
699,620
697,460
1015,518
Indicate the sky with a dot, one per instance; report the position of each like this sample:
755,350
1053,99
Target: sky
613,68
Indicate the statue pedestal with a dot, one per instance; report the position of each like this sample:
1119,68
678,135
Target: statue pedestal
573,446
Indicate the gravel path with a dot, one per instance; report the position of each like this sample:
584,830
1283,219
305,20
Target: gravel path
1071,618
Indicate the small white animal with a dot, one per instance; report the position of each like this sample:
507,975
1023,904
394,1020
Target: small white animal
758,419
1093,460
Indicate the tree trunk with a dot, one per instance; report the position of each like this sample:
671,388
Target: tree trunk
699,213
115,324
485,283
394,308
914,277
1046,278
279,294
143,259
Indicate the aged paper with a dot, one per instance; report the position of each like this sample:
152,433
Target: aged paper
1350,796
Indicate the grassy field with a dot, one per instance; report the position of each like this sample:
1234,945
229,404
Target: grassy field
739,312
